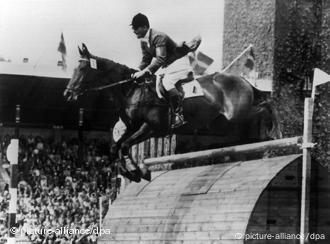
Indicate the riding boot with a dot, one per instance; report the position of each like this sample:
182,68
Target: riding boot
175,103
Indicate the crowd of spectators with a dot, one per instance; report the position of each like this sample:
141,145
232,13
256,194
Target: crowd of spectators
60,185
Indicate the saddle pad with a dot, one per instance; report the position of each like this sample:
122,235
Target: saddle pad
192,89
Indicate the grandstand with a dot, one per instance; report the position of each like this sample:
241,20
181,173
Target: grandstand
61,160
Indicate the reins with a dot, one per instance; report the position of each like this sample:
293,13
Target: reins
110,85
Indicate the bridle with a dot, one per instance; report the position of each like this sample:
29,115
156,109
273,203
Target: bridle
82,91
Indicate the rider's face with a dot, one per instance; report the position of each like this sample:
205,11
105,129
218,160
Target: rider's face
141,31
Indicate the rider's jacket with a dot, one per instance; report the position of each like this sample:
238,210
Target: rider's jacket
159,50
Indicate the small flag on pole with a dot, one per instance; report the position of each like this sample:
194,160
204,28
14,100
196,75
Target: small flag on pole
243,64
199,62
62,49
320,77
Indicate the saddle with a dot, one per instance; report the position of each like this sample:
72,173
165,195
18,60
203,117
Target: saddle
188,88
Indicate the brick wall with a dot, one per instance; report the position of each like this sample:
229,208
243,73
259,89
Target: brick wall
250,22
290,39
321,129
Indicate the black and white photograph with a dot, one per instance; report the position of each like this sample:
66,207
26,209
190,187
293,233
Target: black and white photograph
153,122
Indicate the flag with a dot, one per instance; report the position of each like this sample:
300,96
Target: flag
62,49
61,46
243,65
199,62
319,78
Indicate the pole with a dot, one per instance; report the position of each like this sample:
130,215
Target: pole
313,92
226,151
12,155
17,120
306,170
100,211
80,135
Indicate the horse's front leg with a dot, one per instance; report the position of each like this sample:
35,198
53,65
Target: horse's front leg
143,133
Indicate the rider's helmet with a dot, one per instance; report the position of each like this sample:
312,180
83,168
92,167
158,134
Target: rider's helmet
140,20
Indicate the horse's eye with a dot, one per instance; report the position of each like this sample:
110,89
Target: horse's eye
83,67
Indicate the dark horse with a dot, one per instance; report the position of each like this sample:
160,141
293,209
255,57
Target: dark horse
227,107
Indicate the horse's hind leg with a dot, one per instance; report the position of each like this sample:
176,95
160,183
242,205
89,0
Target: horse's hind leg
260,124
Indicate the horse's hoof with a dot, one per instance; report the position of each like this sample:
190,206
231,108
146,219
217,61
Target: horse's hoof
134,175
131,175
146,174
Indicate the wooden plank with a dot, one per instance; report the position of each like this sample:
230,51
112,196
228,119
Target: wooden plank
237,223
147,148
306,169
153,147
193,209
167,145
217,217
173,144
160,147
140,153
214,153
179,213
171,235
225,195
187,227
198,202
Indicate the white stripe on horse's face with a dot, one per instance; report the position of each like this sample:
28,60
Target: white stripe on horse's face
73,88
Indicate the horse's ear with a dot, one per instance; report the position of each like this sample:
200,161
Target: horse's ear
80,51
85,50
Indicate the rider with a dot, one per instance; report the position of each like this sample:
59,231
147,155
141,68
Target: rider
159,51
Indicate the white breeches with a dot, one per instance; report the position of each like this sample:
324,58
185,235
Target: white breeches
176,71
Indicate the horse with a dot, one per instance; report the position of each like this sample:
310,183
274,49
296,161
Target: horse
228,105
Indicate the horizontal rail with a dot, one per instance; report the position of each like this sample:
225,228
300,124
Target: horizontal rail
226,151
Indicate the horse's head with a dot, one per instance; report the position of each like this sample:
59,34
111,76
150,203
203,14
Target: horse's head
83,75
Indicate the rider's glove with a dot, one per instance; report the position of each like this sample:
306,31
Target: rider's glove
140,74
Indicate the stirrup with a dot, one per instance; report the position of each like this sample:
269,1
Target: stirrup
178,121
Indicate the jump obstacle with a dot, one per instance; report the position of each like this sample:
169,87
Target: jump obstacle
222,203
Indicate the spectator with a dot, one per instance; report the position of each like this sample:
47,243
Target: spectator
55,190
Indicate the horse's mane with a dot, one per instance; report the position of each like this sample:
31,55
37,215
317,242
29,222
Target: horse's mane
112,70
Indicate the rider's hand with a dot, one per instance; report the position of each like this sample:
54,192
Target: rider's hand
140,74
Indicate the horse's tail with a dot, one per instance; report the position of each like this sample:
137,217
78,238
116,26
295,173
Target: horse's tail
275,131
259,96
